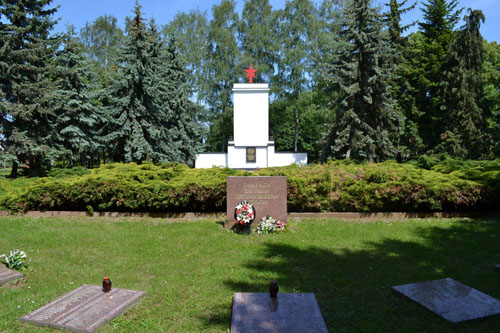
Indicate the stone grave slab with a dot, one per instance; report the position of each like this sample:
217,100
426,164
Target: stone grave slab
84,309
8,275
267,194
451,299
289,312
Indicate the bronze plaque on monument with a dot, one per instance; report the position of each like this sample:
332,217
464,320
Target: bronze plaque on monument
267,194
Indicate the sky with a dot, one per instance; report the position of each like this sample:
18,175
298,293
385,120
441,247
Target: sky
78,12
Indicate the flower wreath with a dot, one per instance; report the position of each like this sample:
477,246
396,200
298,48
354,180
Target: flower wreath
244,213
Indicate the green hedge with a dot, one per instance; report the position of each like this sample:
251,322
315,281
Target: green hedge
333,186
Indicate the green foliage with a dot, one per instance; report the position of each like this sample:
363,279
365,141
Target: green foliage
366,123
446,185
75,134
462,93
102,40
222,57
149,116
491,78
26,66
439,20
190,30
259,45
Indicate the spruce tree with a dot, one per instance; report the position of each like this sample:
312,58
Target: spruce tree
462,91
149,115
26,65
78,118
366,122
403,90
491,78
440,18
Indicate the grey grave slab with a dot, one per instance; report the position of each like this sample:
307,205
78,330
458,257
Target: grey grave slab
289,312
84,309
8,275
451,299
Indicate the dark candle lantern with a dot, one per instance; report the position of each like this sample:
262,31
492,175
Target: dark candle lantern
106,285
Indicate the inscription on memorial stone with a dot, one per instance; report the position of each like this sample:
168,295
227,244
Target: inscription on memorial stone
8,275
84,309
268,195
289,312
451,299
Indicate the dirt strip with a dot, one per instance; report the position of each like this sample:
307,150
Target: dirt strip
351,216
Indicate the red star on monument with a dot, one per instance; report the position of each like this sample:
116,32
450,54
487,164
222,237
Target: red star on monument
251,73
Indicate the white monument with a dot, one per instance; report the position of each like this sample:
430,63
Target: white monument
251,147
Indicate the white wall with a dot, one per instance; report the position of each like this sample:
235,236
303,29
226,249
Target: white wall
237,157
251,114
284,159
208,160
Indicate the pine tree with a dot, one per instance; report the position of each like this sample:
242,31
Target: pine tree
26,65
74,134
148,110
464,134
366,121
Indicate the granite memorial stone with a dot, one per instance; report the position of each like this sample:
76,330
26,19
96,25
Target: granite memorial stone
8,275
451,299
289,312
268,195
84,309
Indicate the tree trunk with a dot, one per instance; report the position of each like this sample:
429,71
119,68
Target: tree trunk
13,173
296,129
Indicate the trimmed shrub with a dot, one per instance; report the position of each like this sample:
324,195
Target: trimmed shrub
333,186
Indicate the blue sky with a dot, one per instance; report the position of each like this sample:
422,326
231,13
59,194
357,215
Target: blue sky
79,12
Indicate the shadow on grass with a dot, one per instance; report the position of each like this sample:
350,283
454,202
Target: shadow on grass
353,287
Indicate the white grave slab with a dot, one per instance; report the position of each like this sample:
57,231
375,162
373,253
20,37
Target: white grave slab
8,275
84,309
289,312
451,299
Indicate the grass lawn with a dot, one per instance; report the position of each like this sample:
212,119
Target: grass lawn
190,270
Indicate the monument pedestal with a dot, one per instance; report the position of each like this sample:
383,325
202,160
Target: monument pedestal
252,148
268,195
